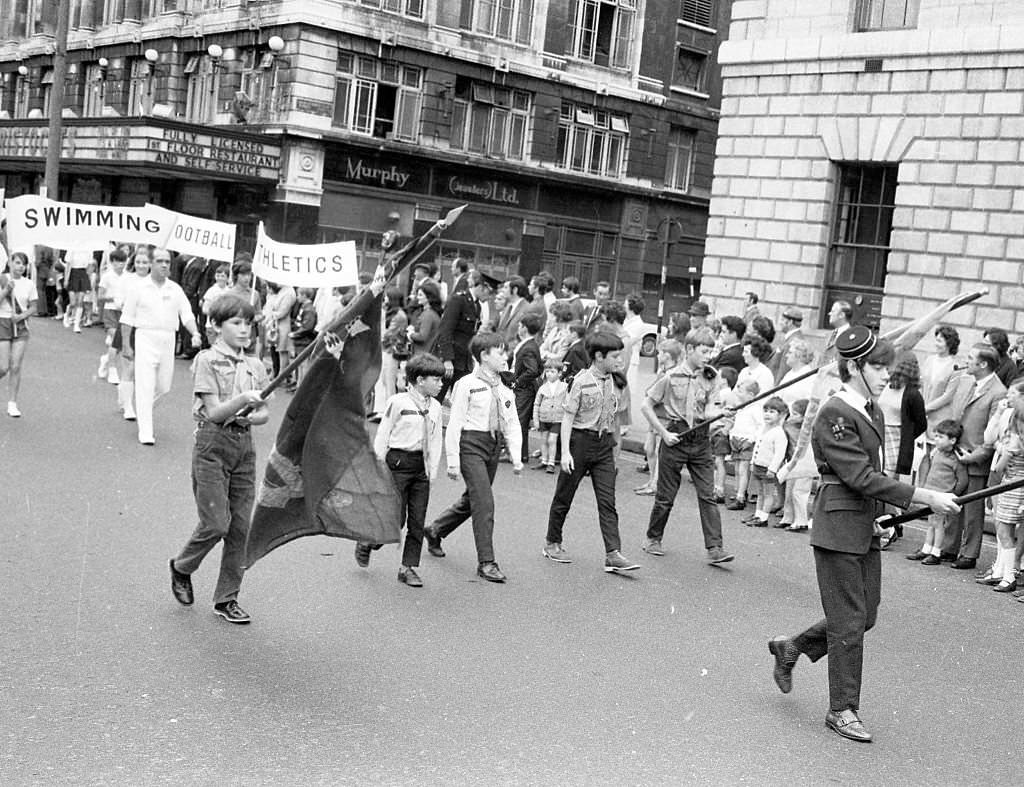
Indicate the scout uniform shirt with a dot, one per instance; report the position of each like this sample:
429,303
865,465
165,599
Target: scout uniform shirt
685,393
593,402
481,403
222,371
411,423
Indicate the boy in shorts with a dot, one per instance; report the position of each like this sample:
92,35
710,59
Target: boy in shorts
744,433
548,408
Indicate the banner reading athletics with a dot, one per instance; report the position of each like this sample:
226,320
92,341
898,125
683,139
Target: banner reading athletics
313,265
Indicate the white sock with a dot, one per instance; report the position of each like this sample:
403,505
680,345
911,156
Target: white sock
1007,573
936,551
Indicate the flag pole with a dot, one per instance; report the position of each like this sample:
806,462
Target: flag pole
393,265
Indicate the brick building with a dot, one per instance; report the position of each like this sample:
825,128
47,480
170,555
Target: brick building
871,150
574,128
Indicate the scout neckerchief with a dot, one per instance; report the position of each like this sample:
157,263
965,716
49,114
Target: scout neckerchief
494,417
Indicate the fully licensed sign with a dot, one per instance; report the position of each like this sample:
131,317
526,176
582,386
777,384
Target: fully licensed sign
178,147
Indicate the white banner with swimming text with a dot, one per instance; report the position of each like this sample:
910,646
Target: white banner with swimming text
311,265
34,220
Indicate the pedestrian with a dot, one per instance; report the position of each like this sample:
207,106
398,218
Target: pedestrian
226,403
154,308
17,297
589,435
526,374
1008,465
730,348
138,270
685,393
723,406
277,324
218,288
423,333
847,444
242,277
799,474
575,359
767,459
303,328
669,353
460,322
78,266
756,353
937,377
942,471
111,295
746,428
408,441
548,409
559,337
483,410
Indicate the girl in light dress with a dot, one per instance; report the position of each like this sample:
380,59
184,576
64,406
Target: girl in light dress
17,299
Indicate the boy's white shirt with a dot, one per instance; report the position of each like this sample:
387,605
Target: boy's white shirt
749,423
771,448
508,418
380,442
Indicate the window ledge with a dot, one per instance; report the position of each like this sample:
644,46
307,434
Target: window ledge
695,26
685,91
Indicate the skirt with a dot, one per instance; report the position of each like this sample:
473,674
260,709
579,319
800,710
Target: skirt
1009,504
892,447
8,332
78,280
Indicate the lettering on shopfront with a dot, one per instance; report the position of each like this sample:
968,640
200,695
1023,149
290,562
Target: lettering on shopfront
224,155
386,177
483,190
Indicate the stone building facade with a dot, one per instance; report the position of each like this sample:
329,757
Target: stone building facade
871,150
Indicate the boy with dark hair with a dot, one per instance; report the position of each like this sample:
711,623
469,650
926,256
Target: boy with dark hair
943,471
408,441
576,358
526,373
482,409
226,381
589,435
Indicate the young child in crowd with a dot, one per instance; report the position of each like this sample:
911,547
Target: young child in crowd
767,459
111,295
548,409
408,441
745,430
722,403
482,406
303,327
226,381
798,475
669,353
1008,465
941,470
218,288
589,434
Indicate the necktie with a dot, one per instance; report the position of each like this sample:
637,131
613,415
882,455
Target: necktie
869,408
425,415
493,419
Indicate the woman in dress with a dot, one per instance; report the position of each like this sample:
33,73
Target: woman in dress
423,333
798,361
937,377
17,297
558,339
277,325
756,352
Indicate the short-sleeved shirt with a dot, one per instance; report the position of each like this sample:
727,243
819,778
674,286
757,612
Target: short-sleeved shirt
156,307
592,402
23,291
112,284
685,393
226,374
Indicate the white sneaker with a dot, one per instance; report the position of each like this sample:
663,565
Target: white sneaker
12,410
104,365
113,377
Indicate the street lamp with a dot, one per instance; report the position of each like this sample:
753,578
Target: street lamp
668,222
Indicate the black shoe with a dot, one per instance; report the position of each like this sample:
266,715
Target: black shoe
181,586
363,554
919,555
947,557
490,572
847,724
736,504
407,575
930,560
964,563
433,541
786,654
231,612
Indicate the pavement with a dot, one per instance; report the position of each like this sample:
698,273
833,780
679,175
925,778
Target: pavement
563,676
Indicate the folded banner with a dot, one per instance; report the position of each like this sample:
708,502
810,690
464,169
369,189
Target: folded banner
189,235
34,220
313,265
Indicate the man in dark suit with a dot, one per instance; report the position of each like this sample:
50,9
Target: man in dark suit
515,308
526,372
592,315
459,323
789,332
460,268
975,400
731,354
192,276
839,316
847,442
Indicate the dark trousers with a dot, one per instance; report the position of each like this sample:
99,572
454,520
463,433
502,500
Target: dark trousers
851,588
524,406
478,462
223,482
594,454
963,537
693,453
413,487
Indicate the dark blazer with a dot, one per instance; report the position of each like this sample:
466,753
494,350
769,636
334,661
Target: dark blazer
913,422
461,284
730,356
539,308
974,411
527,369
459,323
576,358
509,321
847,448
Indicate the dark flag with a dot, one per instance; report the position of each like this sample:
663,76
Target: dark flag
322,477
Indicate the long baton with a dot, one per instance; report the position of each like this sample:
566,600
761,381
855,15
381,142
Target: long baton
888,520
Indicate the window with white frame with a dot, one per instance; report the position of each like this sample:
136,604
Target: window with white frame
7,83
139,86
259,84
887,14
411,8
698,12
46,90
95,90
380,98
22,86
508,19
591,140
679,166
690,72
203,82
490,119
602,31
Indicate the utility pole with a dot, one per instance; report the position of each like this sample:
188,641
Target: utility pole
55,140
668,222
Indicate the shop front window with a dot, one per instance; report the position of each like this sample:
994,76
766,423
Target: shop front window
587,254
591,140
380,98
490,119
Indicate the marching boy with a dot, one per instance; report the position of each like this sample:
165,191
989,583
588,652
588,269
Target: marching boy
409,442
226,381
589,430
482,409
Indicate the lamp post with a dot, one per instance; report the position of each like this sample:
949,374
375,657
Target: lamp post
668,222
51,174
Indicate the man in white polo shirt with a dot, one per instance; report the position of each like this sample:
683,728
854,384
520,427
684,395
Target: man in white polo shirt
154,309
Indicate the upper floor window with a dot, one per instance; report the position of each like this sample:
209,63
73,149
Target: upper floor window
887,14
508,19
679,166
490,119
413,8
591,140
95,89
690,72
203,82
257,96
602,31
22,87
46,90
378,97
698,12
140,84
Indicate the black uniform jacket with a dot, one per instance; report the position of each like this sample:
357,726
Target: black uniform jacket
848,450
459,323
